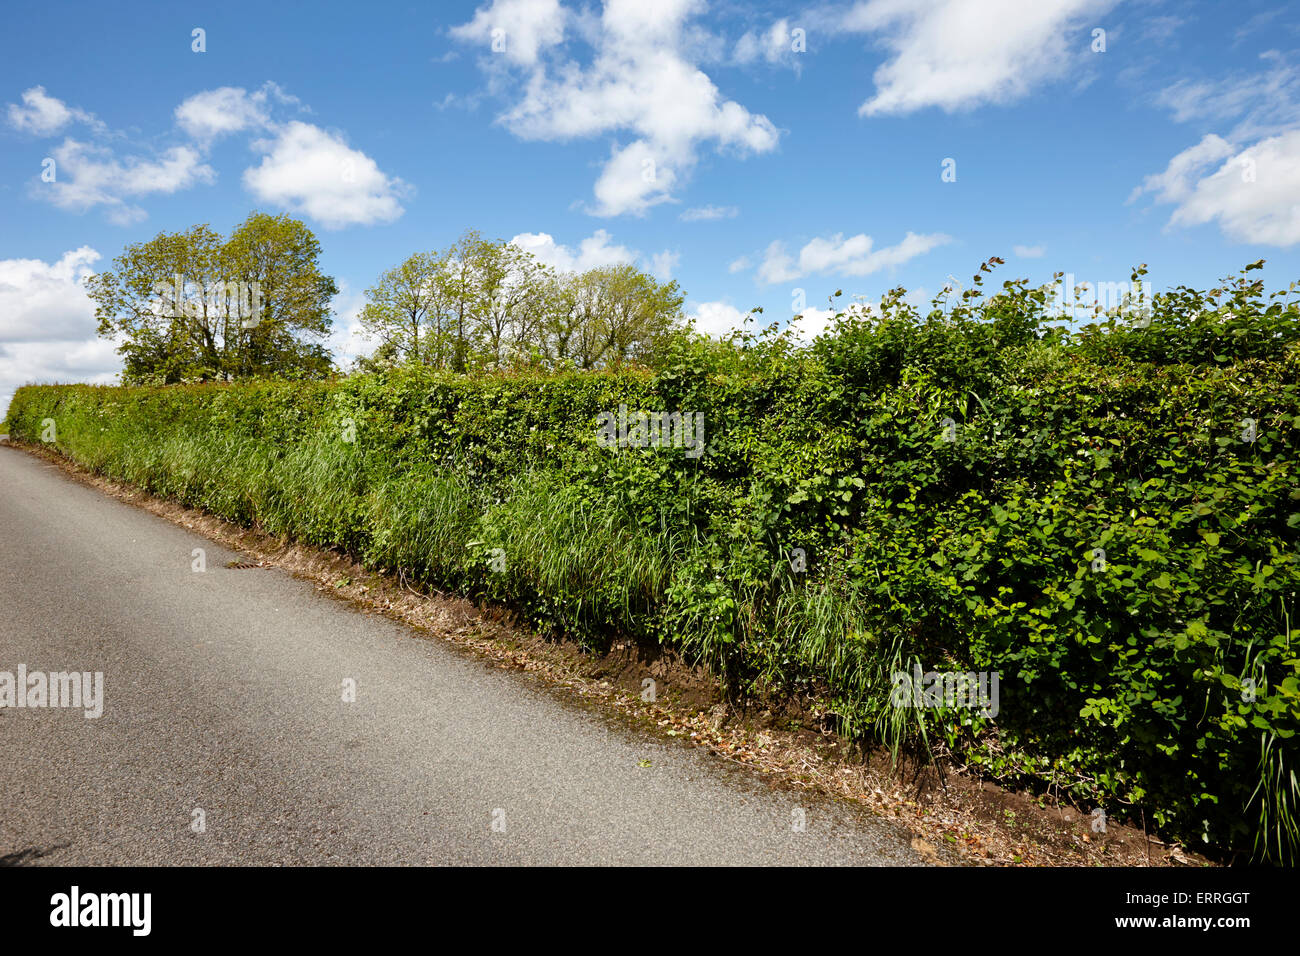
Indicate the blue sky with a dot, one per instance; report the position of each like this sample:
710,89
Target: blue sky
748,151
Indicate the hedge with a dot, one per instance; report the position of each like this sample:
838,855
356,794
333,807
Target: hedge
1107,517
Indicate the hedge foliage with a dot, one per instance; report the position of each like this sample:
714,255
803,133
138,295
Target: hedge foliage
1107,516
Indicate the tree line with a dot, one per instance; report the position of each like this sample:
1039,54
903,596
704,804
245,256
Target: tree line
490,304
195,306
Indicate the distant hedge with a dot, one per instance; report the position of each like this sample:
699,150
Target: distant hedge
1108,517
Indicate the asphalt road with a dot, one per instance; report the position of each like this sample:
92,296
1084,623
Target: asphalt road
223,692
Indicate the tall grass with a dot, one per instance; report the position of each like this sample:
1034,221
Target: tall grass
827,634
578,563
578,566
422,523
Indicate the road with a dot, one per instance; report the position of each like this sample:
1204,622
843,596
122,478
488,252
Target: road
223,693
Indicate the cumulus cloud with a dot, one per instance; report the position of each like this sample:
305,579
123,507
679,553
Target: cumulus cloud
93,361
315,173
777,44
1253,194
48,332
715,319
520,30
598,249
91,175
739,264
777,265
955,54
854,256
43,115
1175,182
642,80
209,115
42,301
663,263
1248,182
305,169
811,323
88,176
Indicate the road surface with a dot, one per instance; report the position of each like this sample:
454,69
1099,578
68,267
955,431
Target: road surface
223,693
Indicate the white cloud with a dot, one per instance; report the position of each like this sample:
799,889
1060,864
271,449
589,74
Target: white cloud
777,266
811,323
715,319
215,113
1254,195
45,115
1264,103
596,250
663,263
1174,184
740,264
47,324
774,45
306,169
633,180
641,80
956,54
43,301
522,29
699,213
854,256
1029,252
316,173
87,176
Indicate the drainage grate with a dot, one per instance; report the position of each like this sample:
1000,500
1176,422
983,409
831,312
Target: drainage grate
243,565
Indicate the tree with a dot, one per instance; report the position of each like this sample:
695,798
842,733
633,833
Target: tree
189,306
279,256
405,308
628,311
158,302
558,321
586,292
510,284
461,285
491,304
